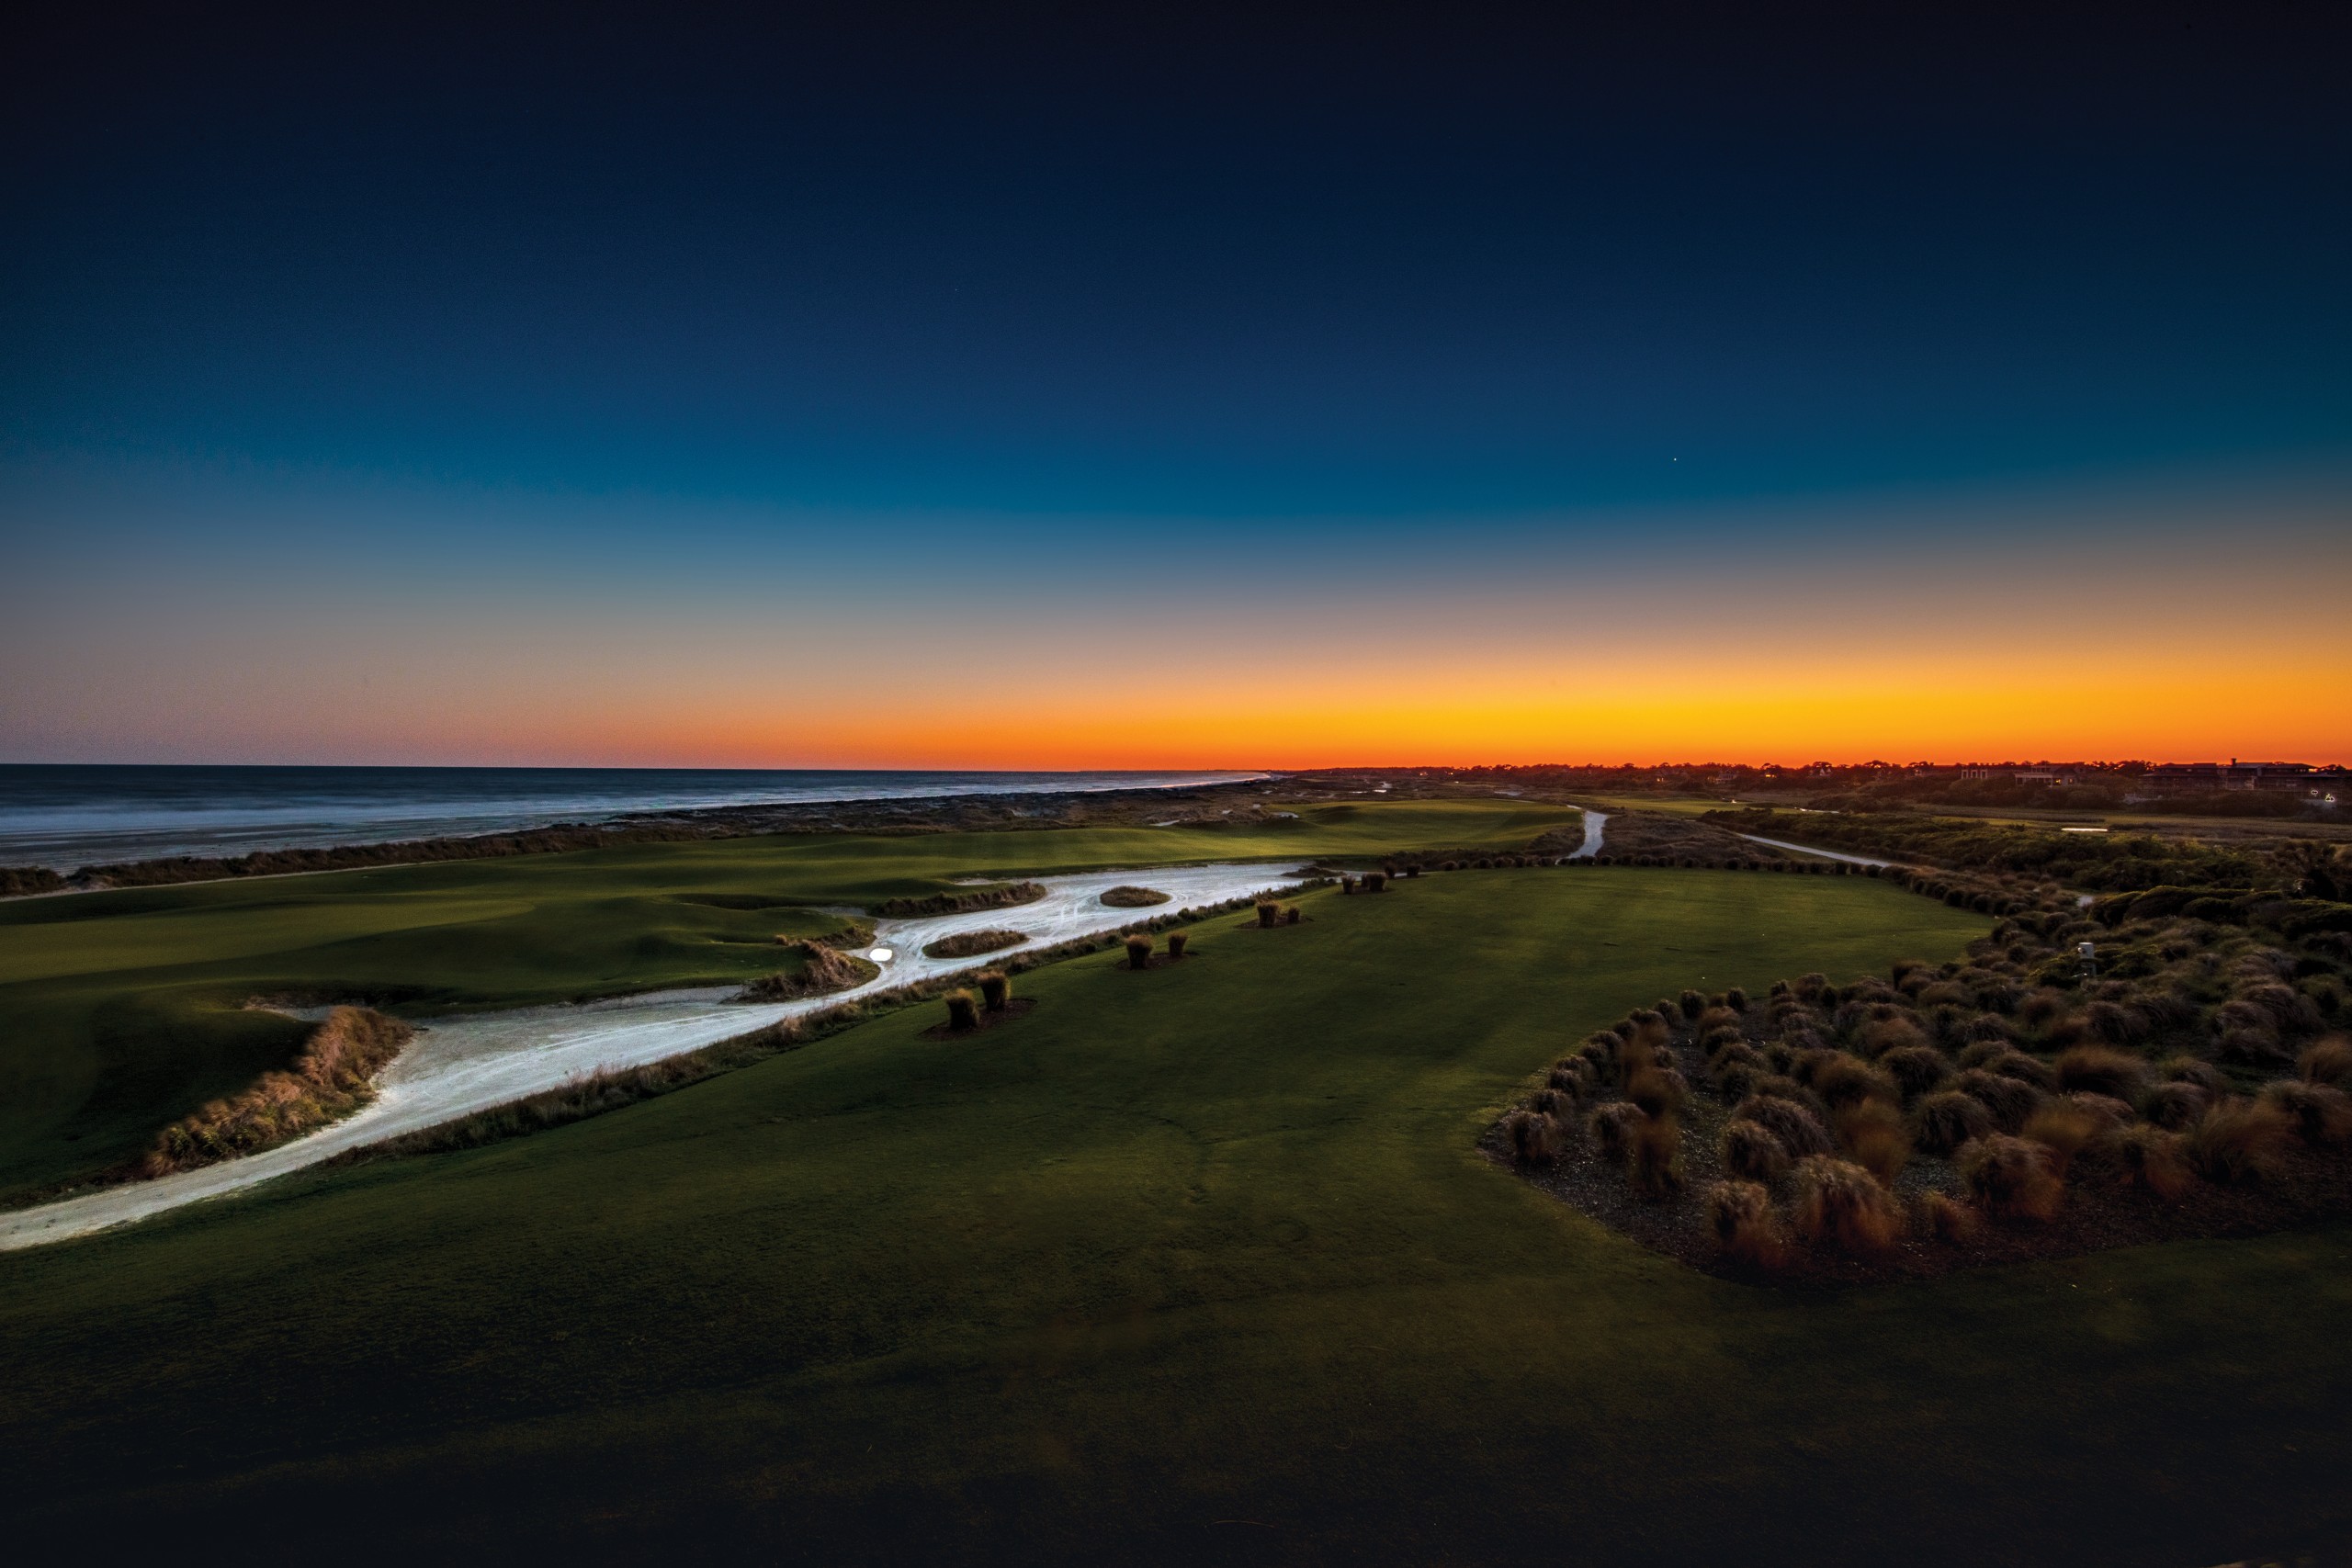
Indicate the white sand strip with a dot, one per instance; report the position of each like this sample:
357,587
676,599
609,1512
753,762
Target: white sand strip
1593,823
1809,850
462,1065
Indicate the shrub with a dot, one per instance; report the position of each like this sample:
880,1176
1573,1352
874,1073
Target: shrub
1798,1129
1736,1080
1612,1129
1916,1069
2026,1069
996,989
2063,1128
1177,943
2188,1069
1736,999
1740,1214
2008,1100
1269,912
2322,1114
1126,898
2043,1006
2097,1069
1139,951
1534,1138
1942,1123
2238,1140
2175,1105
1692,1003
1376,881
1983,1053
962,944
2011,1177
2153,1158
1749,1150
1882,1035
1654,1156
2328,1062
1946,1219
963,1010
1838,1202
1844,1082
1872,1134
1550,1101
1734,1050
1290,914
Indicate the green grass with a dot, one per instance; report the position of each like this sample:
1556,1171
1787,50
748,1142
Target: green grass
1205,1245
121,1012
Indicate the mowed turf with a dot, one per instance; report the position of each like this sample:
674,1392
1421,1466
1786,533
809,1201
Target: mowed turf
120,1012
1198,1264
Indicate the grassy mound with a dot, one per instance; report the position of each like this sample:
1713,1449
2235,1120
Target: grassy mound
971,945
1124,897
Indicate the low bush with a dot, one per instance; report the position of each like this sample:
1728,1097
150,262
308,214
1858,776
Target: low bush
2153,1159
1658,1091
1693,1004
1177,943
2011,1178
1611,1126
1872,1132
1376,881
2175,1105
1748,1150
1291,915
1654,1156
2063,1128
2026,1069
1945,1218
1269,913
2329,1062
1798,1129
1535,1138
996,989
2322,1114
2239,1141
1740,1214
1941,1122
1572,1076
963,1010
1839,1202
2191,1070
1916,1069
2008,1100
1139,951
2098,1069
1844,1082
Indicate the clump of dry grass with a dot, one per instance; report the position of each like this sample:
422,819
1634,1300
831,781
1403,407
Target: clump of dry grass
1654,1155
1798,1129
1139,951
2327,1061
1839,1202
2153,1159
1127,898
2191,1070
963,1010
996,989
1945,1218
2065,1129
1658,1092
1941,1122
1611,1126
2007,1100
1177,943
1880,1036
2175,1105
1535,1138
1740,1214
2238,1141
1845,1080
1376,881
2011,1177
1270,914
967,945
1572,1076
1872,1132
1291,915
2322,1113
330,1078
2026,1069
1748,1150
1916,1069
2100,1069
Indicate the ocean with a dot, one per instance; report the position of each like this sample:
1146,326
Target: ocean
66,816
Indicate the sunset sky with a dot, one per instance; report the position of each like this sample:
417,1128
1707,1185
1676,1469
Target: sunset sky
1105,387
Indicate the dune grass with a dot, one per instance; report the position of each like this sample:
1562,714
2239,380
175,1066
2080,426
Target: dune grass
1193,1265
121,1012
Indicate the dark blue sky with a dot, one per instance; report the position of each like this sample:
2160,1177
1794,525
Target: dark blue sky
1118,259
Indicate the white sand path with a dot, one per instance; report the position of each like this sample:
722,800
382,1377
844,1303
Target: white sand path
1809,850
462,1065
1593,822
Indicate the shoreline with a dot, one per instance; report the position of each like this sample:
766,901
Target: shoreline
983,811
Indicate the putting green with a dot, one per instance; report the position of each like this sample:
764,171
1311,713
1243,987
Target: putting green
1197,1263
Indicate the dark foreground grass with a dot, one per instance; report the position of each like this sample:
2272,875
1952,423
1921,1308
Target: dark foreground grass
121,1012
1193,1265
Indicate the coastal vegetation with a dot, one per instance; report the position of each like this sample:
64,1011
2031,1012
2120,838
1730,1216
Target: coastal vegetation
123,1011
1260,1209
1126,898
1003,898
971,945
331,1077
822,969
